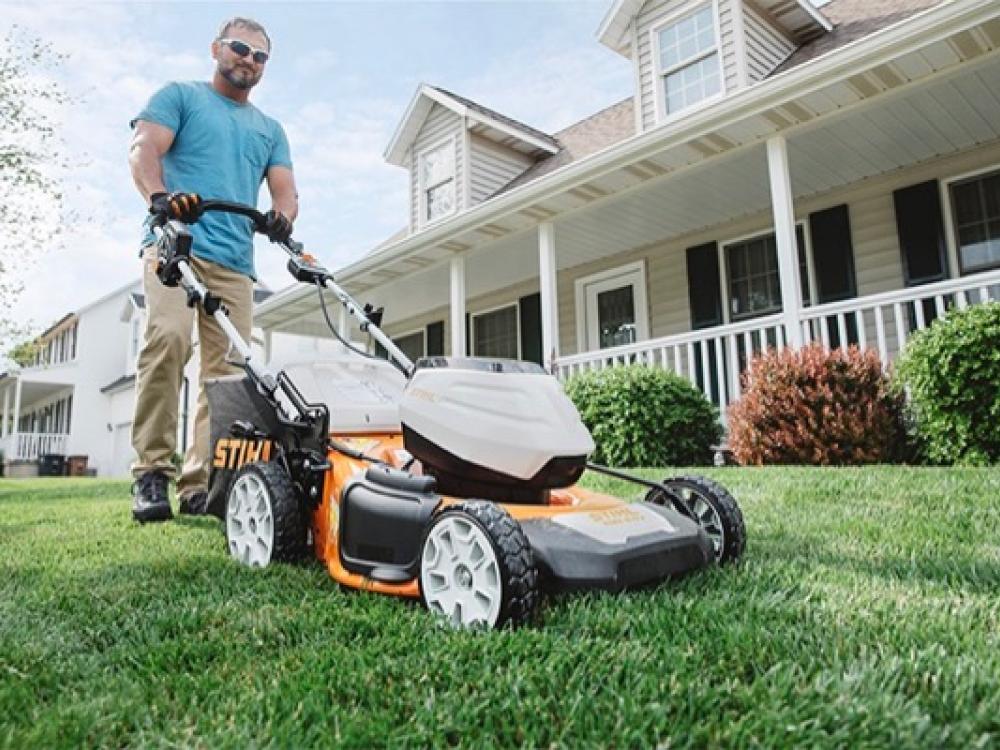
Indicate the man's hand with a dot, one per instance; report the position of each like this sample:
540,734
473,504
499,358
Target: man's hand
277,226
185,207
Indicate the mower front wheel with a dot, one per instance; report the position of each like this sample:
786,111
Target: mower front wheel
713,508
477,568
264,519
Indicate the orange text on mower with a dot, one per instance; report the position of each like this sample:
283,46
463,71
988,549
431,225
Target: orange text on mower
232,453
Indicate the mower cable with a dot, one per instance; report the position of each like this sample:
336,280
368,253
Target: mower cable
333,328
347,344
355,454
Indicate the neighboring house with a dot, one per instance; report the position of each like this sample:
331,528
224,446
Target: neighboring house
780,174
78,396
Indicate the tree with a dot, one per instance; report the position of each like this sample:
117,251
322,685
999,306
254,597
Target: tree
32,158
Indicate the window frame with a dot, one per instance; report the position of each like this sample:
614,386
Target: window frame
660,74
801,225
956,268
416,331
474,316
592,283
447,143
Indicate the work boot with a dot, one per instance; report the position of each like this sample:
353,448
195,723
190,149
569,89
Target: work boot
150,500
194,503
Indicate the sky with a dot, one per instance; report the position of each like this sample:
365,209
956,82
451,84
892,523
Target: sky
339,80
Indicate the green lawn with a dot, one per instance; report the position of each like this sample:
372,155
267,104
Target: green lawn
866,614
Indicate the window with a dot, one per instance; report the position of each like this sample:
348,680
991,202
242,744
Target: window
437,182
412,344
753,278
688,60
494,333
976,215
611,308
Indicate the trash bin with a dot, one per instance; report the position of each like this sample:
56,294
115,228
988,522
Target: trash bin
76,466
51,465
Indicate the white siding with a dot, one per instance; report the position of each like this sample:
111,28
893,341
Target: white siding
654,13
766,47
441,123
492,166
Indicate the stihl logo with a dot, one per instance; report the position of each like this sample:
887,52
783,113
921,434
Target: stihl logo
232,453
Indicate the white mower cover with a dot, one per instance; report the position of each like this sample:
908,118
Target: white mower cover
510,422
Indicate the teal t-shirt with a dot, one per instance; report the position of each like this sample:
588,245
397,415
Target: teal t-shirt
222,150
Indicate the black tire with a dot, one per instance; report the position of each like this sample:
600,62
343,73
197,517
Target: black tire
520,595
273,496
725,527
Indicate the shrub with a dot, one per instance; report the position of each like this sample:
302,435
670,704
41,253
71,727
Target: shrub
645,416
812,406
951,375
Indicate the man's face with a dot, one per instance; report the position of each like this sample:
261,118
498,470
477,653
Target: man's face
241,72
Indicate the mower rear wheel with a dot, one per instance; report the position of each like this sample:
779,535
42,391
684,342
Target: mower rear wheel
477,568
715,510
264,520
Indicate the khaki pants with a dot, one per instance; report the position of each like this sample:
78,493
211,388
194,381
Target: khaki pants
166,349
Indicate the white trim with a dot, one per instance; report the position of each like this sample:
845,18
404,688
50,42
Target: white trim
466,165
456,307
548,289
633,31
783,208
445,142
948,216
639,300
738,10
486,311
677,15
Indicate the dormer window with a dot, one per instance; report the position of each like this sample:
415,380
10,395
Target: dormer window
437,182
688,60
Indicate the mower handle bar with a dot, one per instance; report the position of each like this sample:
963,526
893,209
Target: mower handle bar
324,277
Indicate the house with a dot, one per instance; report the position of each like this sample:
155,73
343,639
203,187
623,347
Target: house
781,173
77,396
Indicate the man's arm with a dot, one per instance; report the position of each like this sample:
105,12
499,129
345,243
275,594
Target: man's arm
149,143
284,197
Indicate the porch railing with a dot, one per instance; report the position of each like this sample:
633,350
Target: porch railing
28,446
714,359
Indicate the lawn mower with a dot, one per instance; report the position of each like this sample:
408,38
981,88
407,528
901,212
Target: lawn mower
452,480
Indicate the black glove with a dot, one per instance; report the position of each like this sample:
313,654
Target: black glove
183,206
277,226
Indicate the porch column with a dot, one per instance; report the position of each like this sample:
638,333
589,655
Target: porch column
267,346
784,232
457,289
344,327
17,413
548,293
5,427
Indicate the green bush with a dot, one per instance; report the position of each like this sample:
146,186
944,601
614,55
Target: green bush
644,416
950,373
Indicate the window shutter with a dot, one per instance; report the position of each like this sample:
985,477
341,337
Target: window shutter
921,233
531,327
704,294
435,339
833,254
468,337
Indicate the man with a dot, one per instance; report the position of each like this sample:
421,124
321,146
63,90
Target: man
197,139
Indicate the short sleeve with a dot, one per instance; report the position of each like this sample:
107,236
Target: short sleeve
164,108
281,155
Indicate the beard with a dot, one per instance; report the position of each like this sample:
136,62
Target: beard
240,76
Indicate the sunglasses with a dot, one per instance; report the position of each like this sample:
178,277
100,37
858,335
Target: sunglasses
243,49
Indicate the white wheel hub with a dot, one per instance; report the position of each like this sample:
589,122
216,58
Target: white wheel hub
250,521
707,517
460,573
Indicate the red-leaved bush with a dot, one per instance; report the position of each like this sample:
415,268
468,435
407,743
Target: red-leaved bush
812,406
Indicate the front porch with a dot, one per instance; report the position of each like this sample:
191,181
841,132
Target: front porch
847,203
36,418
